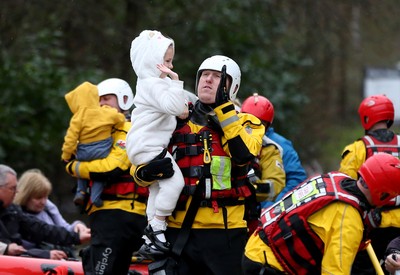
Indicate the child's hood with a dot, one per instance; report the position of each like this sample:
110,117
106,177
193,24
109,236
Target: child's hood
85,95
148,50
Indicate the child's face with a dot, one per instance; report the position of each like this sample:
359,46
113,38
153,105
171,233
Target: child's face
168,57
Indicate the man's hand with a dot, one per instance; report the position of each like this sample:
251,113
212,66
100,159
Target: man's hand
57,255
14,249
222,96
157,169
80,227
392,263
84,235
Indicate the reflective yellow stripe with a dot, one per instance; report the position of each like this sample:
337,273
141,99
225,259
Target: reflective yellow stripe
221,172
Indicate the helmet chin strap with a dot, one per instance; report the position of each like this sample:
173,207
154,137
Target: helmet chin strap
199,114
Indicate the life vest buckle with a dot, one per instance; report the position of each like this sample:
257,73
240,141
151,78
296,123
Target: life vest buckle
287,235
214,205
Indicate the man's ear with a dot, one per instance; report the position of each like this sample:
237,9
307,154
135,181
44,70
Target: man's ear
125,98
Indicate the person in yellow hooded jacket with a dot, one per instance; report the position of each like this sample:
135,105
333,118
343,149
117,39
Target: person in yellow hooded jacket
117,226
213,148
88,136
319,226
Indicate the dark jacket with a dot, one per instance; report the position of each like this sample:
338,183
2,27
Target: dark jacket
16,225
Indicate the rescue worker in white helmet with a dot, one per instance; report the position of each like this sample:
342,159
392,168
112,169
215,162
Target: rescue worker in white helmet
319,226
124,202
213,148
376,116
267,172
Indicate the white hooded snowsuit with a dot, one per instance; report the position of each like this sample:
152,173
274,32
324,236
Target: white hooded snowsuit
158,101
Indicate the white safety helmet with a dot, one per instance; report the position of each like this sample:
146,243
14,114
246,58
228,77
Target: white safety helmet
216,63
117,87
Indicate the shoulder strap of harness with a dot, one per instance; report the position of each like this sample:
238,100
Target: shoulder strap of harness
191,212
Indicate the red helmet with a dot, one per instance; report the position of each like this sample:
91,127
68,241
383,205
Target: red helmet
381,173
374,109
260,107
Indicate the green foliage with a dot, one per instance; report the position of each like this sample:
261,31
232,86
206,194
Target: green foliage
254,33
339,138
33,113
307,57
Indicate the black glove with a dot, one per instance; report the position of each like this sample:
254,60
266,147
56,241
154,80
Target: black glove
157,169
222,96
373,219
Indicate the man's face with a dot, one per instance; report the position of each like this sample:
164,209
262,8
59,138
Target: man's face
110,100
7,191
364,188
208,85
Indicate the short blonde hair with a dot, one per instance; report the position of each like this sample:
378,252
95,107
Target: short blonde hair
32,184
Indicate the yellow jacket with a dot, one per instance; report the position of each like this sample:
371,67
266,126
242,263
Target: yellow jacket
353,157
340,227
89,122
272,170
114,164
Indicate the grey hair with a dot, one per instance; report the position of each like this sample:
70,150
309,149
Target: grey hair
4,170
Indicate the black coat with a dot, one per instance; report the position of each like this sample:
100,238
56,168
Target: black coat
15,225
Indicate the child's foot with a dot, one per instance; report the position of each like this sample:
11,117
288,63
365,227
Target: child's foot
150,252
163,246
98,203
79,198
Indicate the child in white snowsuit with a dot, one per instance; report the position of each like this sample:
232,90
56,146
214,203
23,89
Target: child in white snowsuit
159,99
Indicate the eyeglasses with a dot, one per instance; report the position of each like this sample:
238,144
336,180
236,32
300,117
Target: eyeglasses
13,189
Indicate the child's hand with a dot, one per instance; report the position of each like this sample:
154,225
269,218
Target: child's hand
185,113
165,71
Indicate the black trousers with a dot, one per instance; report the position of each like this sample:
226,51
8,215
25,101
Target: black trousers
116,234
253,268
211,251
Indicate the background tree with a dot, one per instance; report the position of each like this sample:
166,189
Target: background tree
307,57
